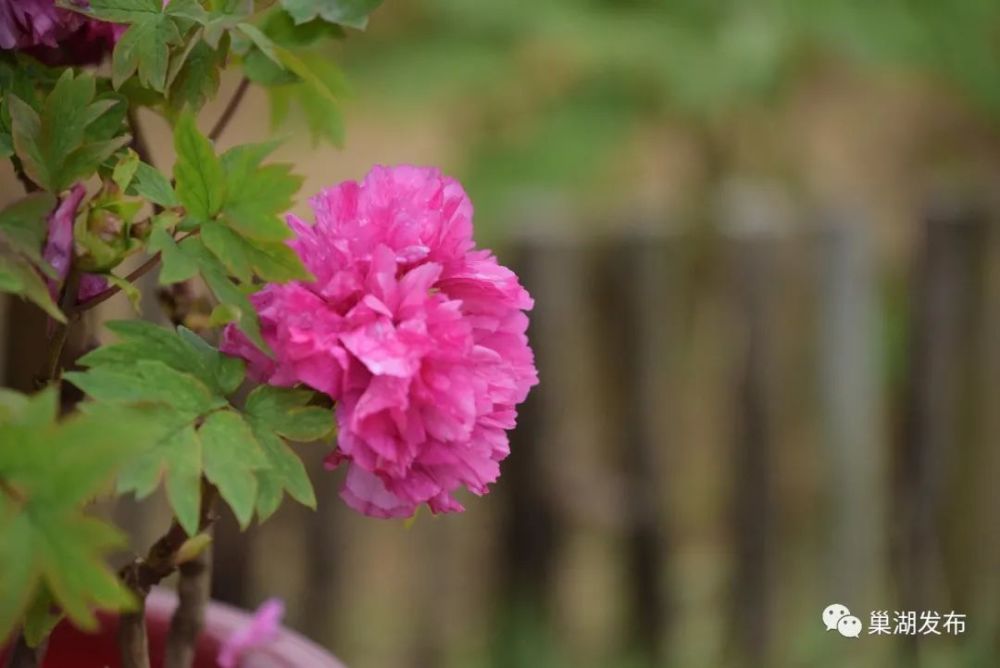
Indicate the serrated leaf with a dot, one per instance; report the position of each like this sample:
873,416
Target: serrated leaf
273,412
173,454
125,169
214,273
40,617
231,454
130,289
197,80
183,351
190,10
145,48
24,224
154,186
18,276
147,380
175,264
48,543
123,11
198,171
261,41
350,13
63,141
286,411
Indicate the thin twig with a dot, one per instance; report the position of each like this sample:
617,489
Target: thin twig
193,590
144,573
51,369
230,110
24,656
111,291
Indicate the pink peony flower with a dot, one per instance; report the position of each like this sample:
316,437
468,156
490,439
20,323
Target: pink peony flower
418,337
58,250
262,629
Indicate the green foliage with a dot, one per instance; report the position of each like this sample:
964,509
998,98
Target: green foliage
233,202
181,385
275,412
63,141
350,13
49,470
22,231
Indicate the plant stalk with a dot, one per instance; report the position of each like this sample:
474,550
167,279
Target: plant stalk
193,590
145,572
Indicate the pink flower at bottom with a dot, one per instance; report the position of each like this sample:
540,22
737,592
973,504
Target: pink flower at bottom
262,629
419,338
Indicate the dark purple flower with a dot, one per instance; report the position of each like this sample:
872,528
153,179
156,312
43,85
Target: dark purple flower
55,35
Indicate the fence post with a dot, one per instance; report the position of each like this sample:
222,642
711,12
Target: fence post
638,314
752,217
943,280
857,549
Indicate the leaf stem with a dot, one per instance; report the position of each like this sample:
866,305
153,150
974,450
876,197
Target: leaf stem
51,369
230,110
111,291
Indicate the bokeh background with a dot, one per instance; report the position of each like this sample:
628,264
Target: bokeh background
764,246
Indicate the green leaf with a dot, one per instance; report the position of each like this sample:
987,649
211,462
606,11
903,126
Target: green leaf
175,264
273,412
145,48
40,617
147,380
260,40
177,381
65,140
229,248
19,277
231,455
125,169
49,545
183,351
174,454
154,186
257,196
187,9
24,224
286,412
197,81
350,13
214,273
198,171
124,11
129,288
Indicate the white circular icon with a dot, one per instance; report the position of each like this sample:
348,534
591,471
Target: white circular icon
849,626
833,614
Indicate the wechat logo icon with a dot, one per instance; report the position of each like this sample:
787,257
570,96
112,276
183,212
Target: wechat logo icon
837,617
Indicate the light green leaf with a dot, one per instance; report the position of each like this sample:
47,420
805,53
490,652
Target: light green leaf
231,454
125,170
40,617
145,48
24,224
214,273
154,186
129,288
19,277
147,380
286,411
124,11
65,140
350,13
176,265
273,411
198,172
197,81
